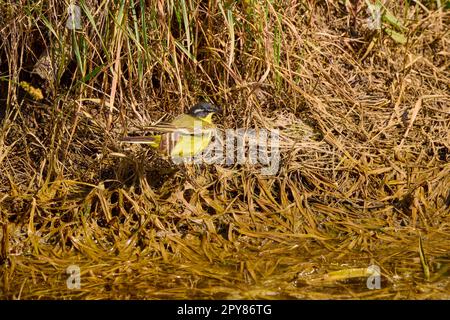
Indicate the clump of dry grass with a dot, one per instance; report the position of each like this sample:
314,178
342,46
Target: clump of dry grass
364,177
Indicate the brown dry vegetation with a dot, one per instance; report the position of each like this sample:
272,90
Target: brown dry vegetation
365,148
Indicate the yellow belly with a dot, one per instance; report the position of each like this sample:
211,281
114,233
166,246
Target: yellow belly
190,145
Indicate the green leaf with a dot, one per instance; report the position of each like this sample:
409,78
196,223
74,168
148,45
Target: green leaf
92,74
397,37
392,20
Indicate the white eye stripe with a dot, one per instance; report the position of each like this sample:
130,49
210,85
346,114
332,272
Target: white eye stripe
200,112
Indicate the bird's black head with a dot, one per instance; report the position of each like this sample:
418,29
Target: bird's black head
203,109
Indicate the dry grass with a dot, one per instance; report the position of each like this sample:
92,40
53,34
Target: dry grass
364,177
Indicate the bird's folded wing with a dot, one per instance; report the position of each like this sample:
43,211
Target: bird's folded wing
168,128
141,139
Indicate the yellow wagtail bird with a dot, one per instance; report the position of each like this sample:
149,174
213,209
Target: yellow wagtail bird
187,135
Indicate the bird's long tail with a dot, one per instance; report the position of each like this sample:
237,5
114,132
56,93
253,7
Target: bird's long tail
153,141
